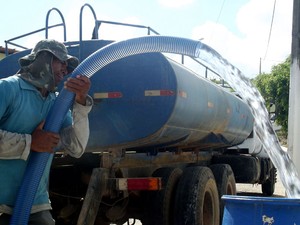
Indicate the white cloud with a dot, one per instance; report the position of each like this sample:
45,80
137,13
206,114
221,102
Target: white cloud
253,21
175,3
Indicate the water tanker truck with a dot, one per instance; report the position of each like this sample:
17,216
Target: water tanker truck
165,144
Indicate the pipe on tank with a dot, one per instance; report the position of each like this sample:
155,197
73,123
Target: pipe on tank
102,57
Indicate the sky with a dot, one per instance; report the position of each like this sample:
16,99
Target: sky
238,29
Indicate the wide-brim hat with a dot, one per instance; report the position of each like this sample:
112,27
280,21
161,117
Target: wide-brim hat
58,49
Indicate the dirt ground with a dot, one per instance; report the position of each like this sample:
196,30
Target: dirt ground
255,189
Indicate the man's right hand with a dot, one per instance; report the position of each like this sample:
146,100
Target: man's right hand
43,141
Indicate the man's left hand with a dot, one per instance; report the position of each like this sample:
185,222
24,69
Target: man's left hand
80,86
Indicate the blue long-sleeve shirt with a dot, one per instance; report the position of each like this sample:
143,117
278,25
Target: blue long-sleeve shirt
22,108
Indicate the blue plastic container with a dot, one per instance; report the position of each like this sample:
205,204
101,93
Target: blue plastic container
246,210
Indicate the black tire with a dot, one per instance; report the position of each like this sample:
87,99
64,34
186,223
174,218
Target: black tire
197,200
225,182
161,210
268,187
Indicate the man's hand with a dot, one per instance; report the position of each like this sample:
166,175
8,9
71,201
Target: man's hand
80,86
43,141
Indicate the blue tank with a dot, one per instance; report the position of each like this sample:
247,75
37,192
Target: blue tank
148,100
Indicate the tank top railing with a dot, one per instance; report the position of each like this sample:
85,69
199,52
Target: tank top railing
95,31
61,24
46,28
150,31
98,23
95,35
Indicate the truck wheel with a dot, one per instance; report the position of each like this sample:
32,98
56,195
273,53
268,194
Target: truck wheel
225,182
197,200
161,210
268,187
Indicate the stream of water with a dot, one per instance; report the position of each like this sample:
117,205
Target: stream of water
263,127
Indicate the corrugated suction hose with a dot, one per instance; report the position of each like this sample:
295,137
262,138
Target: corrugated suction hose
102,57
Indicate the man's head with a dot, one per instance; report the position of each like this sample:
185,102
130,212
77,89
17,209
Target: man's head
47,63
56,48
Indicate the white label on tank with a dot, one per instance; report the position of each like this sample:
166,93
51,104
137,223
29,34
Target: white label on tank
159,93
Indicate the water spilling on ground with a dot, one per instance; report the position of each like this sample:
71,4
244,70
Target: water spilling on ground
263,127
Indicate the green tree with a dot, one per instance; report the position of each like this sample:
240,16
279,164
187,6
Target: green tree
274,87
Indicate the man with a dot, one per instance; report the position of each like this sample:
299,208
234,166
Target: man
26,99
